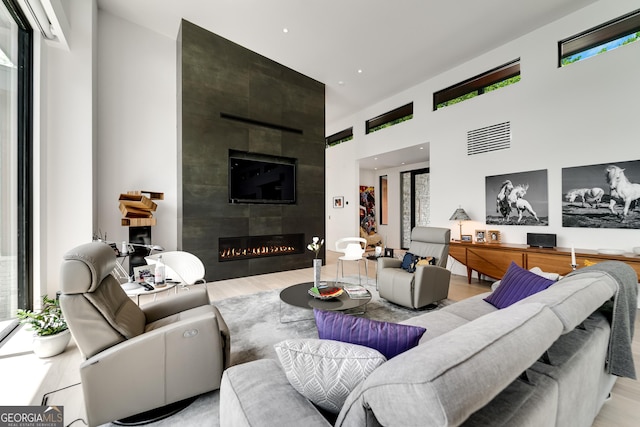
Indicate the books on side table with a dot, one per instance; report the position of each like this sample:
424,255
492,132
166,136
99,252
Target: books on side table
356,291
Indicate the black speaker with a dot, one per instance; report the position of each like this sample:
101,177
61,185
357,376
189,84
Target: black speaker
541,240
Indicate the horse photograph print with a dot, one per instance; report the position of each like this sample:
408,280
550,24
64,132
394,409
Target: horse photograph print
604,195
517,199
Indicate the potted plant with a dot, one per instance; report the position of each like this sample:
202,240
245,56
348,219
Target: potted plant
51,333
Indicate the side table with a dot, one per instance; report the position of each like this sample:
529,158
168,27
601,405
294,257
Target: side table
140,290
298,295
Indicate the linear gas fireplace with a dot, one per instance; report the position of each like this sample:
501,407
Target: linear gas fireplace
237,248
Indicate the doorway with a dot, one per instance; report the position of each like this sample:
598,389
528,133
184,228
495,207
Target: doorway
415,202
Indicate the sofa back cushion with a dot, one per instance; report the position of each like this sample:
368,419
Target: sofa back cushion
445,380
574,298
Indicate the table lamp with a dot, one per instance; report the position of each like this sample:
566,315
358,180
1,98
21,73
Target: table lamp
460,215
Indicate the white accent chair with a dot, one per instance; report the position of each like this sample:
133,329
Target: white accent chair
353,249
182,266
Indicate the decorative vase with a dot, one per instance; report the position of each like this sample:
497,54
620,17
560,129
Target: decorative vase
317,266
51,345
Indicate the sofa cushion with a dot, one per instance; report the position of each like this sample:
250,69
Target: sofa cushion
457,373
257,393
390,339
516,284
326,371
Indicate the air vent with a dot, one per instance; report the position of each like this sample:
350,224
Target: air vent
490,138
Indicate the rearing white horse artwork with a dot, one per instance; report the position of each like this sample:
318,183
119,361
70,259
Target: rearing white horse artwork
516,197
591,196
621,188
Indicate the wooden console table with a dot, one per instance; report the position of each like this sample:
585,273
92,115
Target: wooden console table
493,259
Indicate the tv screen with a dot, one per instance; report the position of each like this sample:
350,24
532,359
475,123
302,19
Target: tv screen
259,178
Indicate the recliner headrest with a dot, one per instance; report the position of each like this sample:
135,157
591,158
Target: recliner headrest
85,267
431,234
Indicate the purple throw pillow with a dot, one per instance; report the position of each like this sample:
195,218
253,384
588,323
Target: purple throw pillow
516,284
390,339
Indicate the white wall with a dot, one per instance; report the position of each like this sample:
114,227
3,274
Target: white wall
65,140
137,119
578,115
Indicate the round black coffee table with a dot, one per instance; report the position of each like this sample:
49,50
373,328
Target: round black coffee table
298,295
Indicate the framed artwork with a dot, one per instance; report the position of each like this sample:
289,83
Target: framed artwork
367,210
466,238
493,236
338,202
605,195
517,198
143,272
481,236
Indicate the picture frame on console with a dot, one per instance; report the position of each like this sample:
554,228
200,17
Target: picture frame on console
466,238
493,236
481,236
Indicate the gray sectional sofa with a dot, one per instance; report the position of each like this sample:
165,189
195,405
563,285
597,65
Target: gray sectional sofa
550,359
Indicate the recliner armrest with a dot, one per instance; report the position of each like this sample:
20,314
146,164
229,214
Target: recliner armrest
165,365
384,262
175,304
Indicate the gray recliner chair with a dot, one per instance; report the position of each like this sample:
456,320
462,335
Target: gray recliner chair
138,358
429,283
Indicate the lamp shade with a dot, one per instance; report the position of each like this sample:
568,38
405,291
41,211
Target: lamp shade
460,215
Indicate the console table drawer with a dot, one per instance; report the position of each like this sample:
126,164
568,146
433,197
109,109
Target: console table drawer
493,262
556,263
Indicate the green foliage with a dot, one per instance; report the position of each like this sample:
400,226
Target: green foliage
48,321
340,141
503,83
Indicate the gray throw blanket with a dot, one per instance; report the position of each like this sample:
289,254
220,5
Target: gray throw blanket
622,312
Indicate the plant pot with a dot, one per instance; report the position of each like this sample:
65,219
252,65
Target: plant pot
51,345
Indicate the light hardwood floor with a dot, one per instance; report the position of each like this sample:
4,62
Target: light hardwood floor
26,379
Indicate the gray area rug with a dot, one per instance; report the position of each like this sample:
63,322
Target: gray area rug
255,326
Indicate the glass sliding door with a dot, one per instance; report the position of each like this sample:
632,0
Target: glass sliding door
415,202
15,164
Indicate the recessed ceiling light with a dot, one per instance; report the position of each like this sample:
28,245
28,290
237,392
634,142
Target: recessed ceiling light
422,148
375,158
341,83
285,30
360,71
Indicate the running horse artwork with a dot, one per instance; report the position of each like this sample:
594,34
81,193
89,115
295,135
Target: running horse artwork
513,196
621,188
590,196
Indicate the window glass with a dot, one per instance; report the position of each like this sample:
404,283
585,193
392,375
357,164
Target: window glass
8,165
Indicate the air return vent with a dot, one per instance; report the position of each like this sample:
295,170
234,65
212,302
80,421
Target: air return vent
490,138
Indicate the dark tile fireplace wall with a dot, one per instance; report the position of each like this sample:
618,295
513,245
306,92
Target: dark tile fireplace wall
232,98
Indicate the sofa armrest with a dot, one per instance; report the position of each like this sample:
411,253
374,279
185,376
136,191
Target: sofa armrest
176,304
258,394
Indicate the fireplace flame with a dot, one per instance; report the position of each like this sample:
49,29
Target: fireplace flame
235,253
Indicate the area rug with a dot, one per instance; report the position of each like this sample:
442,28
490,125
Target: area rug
257,322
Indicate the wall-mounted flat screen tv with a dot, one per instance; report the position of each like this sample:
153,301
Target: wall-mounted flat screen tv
261,178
